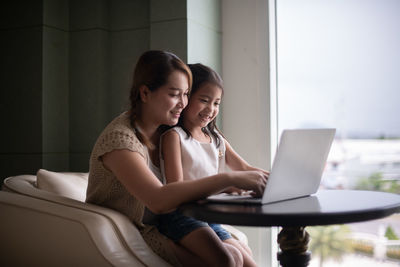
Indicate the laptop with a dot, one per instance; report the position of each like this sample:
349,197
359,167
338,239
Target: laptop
297,168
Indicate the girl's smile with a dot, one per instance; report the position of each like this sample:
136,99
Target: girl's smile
203,106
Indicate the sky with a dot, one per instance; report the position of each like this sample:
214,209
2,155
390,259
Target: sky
339,66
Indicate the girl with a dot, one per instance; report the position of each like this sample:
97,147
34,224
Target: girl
126,152
195,149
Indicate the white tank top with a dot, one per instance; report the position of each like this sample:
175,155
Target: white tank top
199,159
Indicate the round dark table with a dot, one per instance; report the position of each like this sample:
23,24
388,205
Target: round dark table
323,208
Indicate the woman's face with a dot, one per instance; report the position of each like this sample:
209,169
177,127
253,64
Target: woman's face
168,101
203,106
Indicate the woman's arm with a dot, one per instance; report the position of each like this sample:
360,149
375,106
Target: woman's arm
236,162
132,171
171,153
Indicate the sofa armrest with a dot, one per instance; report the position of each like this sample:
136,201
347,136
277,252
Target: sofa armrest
39,233
50,234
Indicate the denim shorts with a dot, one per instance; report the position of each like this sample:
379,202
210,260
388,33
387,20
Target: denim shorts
175,226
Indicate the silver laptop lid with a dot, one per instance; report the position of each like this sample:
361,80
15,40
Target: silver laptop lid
299,163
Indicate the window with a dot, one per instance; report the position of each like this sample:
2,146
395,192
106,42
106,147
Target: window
338,66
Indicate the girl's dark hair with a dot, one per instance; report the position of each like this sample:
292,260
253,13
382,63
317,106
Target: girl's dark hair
152,70
201,76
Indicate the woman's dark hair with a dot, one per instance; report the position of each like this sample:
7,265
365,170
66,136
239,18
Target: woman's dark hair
204,75
152,70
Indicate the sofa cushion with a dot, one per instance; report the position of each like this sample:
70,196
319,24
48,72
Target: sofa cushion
68,184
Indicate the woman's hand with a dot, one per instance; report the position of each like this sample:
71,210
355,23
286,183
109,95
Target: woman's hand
250,180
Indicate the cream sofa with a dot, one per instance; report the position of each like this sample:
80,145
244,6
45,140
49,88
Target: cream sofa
45,222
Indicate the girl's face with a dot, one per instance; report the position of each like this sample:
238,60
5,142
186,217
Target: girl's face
168,101
203,106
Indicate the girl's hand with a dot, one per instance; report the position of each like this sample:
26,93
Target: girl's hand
234,191
250,180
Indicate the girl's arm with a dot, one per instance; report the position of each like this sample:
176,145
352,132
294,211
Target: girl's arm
236,162
171,153
131,170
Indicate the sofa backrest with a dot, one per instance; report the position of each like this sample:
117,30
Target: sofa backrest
68,184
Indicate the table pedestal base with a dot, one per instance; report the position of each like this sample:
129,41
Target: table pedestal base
293,242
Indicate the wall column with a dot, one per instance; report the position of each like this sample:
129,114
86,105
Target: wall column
249,117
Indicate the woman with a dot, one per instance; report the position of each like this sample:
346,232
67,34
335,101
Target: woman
124,161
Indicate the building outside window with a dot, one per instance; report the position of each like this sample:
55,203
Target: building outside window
338,66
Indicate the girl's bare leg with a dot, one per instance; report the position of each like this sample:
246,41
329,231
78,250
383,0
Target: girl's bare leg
206,245
248,260
186,257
